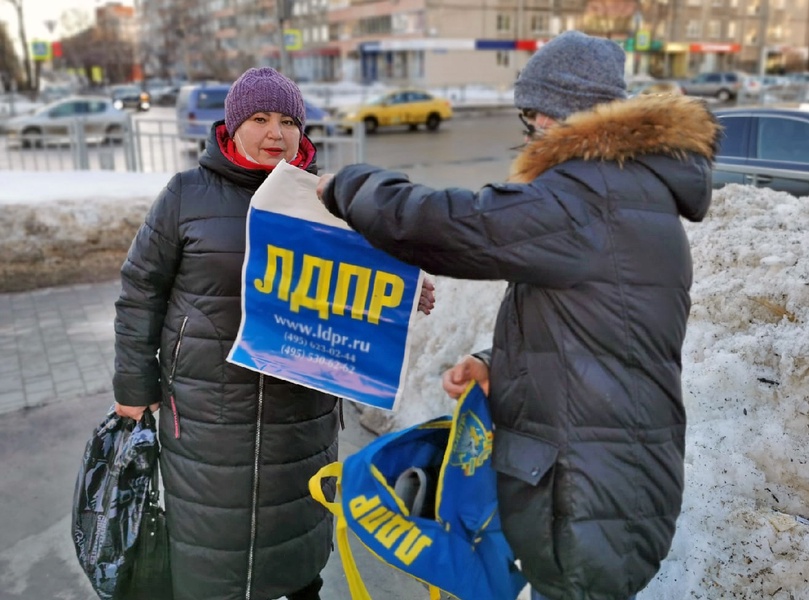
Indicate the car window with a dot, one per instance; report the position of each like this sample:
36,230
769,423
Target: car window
732,77
731,142
783,139
97,106
713,78
211,99
65,109
125,91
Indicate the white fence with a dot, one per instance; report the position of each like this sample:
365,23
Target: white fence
145,145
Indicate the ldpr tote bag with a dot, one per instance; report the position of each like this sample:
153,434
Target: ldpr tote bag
424,500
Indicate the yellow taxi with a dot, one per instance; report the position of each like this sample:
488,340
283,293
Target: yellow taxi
401,107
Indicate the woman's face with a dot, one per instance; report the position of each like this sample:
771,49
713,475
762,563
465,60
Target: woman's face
266,138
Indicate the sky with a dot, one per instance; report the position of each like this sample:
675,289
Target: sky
36,12
744,529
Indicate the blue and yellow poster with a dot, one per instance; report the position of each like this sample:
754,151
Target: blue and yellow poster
320,306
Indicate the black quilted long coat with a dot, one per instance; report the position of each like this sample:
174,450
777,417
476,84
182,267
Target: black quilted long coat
238,448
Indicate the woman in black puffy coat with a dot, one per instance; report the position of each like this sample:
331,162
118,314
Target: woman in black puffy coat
239,447
584,372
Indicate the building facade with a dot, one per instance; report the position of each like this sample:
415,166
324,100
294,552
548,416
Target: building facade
452,42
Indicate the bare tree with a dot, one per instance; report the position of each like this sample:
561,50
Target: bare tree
609,17
9,64
17,4
78,52
91,45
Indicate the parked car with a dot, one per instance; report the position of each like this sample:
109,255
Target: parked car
764,146
165,96
653,88
97,114
130,96
198,106
722,85
400,107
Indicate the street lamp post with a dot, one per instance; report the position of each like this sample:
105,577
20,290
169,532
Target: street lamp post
807,35
284,8
765,17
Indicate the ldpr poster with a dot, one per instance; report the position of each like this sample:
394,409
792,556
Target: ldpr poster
321,307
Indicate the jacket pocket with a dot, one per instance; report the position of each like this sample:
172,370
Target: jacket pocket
522,456
175,357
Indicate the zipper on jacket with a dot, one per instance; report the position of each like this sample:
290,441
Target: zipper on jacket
174,358
340,413
254,502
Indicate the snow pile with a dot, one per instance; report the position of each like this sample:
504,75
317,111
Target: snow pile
70,232
746,384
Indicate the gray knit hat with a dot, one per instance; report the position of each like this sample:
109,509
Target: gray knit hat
262,90
572,72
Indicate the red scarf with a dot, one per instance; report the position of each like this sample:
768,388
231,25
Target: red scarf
304,157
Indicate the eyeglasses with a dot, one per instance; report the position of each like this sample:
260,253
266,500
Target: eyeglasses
530,129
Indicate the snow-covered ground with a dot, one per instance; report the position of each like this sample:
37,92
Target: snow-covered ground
744,532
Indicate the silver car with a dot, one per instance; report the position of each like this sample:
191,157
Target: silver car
53,122
723,86
765,147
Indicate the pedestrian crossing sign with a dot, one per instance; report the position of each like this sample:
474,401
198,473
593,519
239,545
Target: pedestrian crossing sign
292,39
40,50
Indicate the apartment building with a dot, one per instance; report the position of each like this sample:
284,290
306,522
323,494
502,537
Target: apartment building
435,42
743,35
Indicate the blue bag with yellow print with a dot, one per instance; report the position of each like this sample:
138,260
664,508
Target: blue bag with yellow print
424,500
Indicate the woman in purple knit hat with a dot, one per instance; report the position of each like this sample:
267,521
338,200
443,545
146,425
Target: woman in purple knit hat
238,447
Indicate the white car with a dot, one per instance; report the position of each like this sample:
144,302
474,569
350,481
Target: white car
97,114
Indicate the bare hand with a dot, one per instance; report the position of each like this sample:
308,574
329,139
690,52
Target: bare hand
134,412
322,183
457,378
427,298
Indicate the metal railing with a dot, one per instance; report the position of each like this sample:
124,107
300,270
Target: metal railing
147,146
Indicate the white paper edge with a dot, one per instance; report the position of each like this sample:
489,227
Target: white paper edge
271,196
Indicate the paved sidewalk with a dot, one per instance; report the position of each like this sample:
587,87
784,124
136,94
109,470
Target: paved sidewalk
56,360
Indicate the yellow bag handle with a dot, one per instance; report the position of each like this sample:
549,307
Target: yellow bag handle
356,586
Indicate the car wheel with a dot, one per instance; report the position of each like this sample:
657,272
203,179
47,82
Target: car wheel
723,95
32,137
433,121
113,134
371,125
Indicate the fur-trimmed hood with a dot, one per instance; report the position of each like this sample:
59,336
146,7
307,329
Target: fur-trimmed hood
621,131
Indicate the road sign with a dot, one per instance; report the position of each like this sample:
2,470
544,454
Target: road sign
293,39
40,50
643,40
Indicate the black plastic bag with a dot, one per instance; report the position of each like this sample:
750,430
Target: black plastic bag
111,497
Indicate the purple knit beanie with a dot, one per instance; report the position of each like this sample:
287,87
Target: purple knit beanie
262,90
